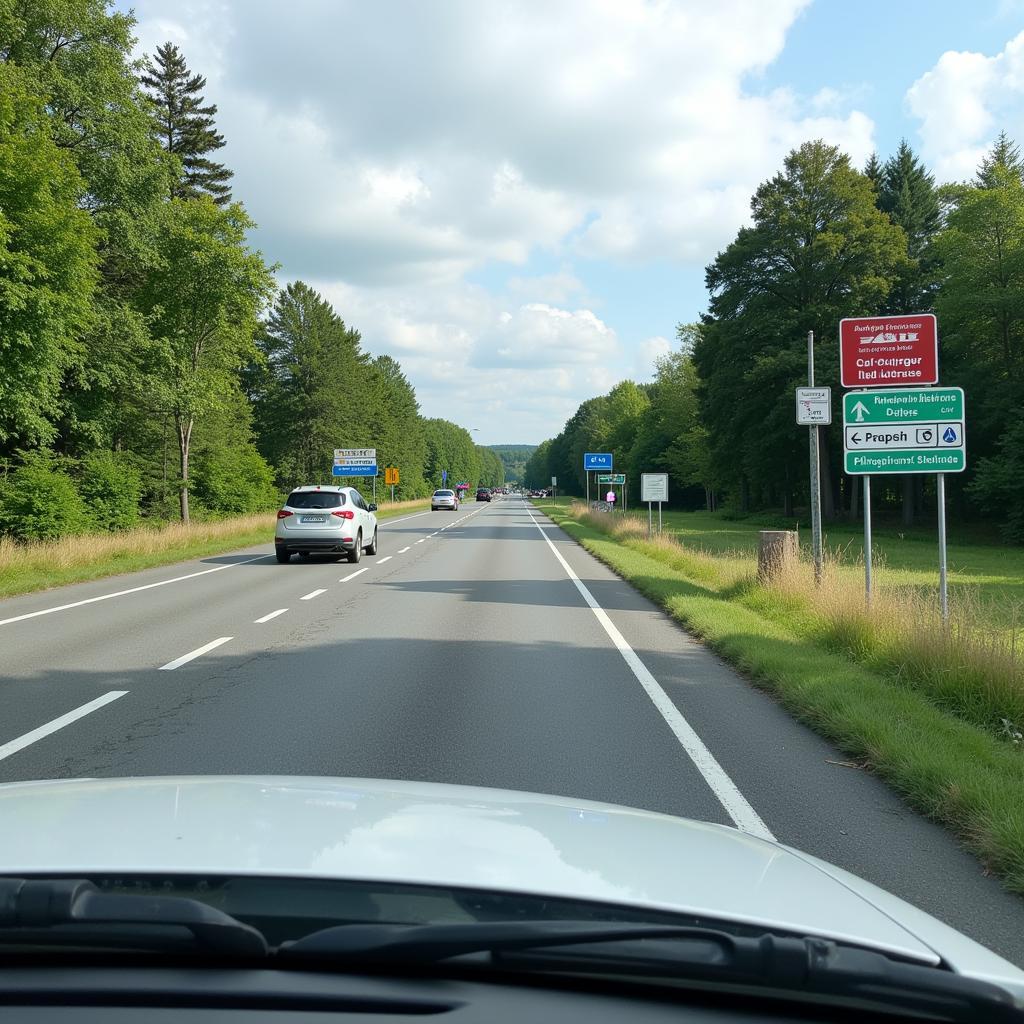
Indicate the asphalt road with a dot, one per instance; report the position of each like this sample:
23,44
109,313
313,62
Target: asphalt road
464,651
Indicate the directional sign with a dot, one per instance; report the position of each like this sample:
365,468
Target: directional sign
654,486
358,456
390,476
611,478
813,406
913,431
353,470
598,461
888,351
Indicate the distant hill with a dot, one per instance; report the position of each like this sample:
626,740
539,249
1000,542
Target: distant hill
513,458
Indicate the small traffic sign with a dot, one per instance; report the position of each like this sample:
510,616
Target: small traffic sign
597,461
888,351
654,486
390,476
355,455
611,478
813,406
353,470
913,431
554,481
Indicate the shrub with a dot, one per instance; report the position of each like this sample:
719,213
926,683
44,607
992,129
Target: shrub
111,488
233,482
40,502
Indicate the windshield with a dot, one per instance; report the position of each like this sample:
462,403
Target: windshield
537,410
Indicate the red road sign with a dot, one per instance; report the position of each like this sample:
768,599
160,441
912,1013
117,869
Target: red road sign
889,351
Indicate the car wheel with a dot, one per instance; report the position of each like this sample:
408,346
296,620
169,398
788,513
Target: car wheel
357,552
283,555
304,556
433,508
372,549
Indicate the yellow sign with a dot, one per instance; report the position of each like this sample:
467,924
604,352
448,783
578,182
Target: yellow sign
390,475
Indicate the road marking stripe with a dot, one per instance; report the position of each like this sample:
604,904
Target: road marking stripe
121,593
58,723
386,558
353,575
185,658
421,540
313,593
271,615
729,796
403,550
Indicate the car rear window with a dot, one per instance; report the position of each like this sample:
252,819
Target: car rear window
315,499
443,494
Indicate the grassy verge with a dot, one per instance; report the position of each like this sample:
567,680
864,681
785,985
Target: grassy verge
826,660
29,567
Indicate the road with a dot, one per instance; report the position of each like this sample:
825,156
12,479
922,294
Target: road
481,647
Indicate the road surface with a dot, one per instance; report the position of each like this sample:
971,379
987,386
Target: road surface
480,647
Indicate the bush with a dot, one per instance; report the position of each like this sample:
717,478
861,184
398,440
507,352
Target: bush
40,502
233,482
111,488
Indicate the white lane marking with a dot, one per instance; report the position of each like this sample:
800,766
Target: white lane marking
271,615
435,533
313,593
402,551
185,658
58,723
121,593
386,558
729,796
353,575
421,540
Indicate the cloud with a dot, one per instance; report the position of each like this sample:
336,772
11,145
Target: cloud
648,352
963,102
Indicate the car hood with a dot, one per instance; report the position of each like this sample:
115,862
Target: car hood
435,834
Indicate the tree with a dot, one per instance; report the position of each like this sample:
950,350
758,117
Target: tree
1005,155
184,124
873,171
818,250
202,301
48,266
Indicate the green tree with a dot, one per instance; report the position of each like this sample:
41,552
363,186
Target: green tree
1003,156
184,124
537,472
202,301
48,266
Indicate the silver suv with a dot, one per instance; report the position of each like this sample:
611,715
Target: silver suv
325,519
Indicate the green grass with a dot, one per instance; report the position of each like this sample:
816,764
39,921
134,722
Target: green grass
947,765
25,568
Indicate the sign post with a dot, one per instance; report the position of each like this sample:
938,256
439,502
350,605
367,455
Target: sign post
816,547
653,488
390,479
867,540
356,462
596,462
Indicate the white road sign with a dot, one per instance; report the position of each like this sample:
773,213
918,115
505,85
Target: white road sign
654,486
813,406
355,456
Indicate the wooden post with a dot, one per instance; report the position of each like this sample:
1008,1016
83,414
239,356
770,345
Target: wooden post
775,550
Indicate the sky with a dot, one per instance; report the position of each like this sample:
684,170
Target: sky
517,200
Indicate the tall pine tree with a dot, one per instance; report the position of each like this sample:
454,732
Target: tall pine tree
1004,153
184,125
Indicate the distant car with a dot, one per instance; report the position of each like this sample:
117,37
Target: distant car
483,494
325,520
444,499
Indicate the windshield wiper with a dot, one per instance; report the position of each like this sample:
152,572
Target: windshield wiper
74,912
800,965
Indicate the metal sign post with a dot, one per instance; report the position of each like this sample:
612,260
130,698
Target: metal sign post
653,488
940,487
815,473
867,540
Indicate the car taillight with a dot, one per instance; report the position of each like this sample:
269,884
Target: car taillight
284,514
344,513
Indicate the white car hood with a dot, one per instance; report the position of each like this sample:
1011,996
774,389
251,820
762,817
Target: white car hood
434,834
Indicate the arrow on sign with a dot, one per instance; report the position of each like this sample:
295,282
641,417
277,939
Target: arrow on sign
860,409
855,438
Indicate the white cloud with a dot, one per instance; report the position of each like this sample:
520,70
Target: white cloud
648,352
963,102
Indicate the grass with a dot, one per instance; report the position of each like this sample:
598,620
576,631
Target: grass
25,568
921,705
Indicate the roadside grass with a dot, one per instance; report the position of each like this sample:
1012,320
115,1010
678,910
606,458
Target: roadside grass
25,568
919,705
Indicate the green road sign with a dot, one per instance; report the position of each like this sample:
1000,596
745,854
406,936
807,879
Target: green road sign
612,478
918,430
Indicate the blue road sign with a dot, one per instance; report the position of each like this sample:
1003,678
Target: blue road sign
354,471
597,461
444,476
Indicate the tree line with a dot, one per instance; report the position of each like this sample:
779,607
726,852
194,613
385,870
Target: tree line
828,240
150,368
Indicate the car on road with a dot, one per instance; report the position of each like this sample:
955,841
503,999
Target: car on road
444,499
483,494
325,520
396,900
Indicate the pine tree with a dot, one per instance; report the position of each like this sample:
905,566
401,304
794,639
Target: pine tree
1004,153
873,170
185,126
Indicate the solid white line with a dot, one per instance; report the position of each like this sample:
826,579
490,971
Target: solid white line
729,796
272,615
121,593
313,593
353,575
402,551
178,662
386,558
58,723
